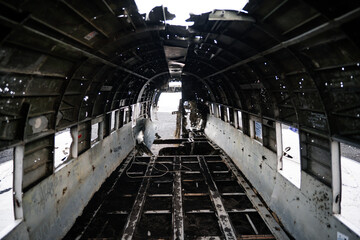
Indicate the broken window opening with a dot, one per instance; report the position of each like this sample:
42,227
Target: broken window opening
165,114
94,132
350,186
290,166
212,109
239,120
134,115
63,141
258,131
227,114
125,116
6,188
112,124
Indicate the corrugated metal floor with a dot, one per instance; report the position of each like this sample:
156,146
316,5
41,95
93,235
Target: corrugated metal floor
197,193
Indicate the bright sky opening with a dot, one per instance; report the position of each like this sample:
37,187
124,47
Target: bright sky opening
169,102
183,8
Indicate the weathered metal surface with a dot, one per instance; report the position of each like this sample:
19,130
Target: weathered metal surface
310,204
134,215
297,63
271,222
176,202
51,207
216,199
178,217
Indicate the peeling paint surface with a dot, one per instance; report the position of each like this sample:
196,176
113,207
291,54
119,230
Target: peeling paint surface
305,213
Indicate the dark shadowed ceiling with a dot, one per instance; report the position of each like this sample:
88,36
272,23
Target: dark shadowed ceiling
296,61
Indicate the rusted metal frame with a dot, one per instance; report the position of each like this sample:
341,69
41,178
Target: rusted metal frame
29,95
87,87
311,110
108,7
243,42
155,28
302,23
230,52
59,31
135,214
325,41
16,25
223,216
255,237
212,96
136,46
215,55
148,82
200,211
318,162
350,132
212,29
221,49
68,80
68,45
120,171
252,224
224,95
344,115
268,88
298,39
307,70
272,224
274,10
178,216
276,114
157,212
124,82
28,47
20,136
30,73
84,18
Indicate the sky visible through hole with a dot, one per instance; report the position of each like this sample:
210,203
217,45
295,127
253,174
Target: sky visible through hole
169,102
183,8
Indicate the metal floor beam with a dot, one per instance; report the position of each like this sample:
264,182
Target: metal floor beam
179,197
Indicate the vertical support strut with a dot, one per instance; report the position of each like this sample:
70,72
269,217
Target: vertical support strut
18,176
223,216
178,217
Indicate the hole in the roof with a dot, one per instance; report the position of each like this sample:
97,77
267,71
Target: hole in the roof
182,9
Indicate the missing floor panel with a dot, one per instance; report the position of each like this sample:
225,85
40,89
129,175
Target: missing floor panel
186,196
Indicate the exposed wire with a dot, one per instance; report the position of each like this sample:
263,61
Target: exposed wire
166,171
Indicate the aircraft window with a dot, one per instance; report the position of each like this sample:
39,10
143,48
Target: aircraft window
240,123
258,131
94,132
350,189
63,142
290,158
6,188
112,125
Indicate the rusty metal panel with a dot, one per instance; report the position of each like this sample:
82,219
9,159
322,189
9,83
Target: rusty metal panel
38,161
84,136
